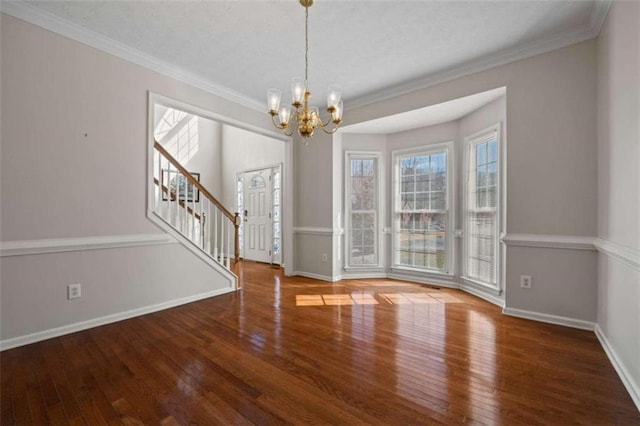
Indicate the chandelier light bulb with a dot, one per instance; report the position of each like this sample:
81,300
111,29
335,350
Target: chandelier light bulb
273,99
284,114
298,87
334,94
336,115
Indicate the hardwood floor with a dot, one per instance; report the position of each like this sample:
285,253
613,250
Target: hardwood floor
296,350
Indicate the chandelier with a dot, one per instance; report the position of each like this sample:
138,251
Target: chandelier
299,114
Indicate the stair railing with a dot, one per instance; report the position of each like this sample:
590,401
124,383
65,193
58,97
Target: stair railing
186,205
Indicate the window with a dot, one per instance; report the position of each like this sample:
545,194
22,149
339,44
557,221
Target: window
240,209
277,235
481,208
362,209
422,209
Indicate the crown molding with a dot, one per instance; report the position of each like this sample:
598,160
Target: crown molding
51,22
503,57
36,16
598,15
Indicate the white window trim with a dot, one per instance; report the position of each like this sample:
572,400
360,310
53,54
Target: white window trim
379,238
469,141
449,148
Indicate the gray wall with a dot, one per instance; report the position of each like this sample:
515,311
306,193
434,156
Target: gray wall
619,189
551,176
74,149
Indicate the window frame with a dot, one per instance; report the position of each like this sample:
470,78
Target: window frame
471,141
430,149
379,204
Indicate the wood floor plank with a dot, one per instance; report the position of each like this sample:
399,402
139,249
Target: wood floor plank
292,350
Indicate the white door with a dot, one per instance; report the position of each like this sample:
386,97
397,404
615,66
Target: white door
257,217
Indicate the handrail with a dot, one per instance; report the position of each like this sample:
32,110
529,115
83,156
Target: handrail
234,218
193,181
172,197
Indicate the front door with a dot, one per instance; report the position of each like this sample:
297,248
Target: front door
257,217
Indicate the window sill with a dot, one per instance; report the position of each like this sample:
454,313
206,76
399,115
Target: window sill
365,268
403,269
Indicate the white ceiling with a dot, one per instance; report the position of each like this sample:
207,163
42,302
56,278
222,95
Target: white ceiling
371,48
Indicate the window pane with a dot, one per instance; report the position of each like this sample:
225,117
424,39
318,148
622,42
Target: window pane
408,184
422,241
481,218
407,166
493,151
481,153
367,168
423,182
406,201
363,188
422,165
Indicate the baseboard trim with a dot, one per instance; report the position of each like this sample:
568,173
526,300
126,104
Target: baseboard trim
315,276
632,387
31,247
548,318
108,319
425,280
491,298
627,255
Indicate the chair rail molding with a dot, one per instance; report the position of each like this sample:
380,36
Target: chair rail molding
628,255
313,230
572,242
30,247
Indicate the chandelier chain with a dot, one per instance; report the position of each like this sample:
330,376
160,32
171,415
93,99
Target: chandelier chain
306,45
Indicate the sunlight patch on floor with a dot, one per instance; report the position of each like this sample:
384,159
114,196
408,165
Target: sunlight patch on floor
370,299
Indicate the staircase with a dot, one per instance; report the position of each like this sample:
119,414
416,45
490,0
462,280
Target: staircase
192,214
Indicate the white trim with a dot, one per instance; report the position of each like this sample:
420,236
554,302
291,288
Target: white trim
469,142
356,275
491,298
550,241
488,62
51,22
379,204
628,255
311,230
480,286
598,16
423,280
548,318
627,379
315,276
448,147
193,248
108,319
29,247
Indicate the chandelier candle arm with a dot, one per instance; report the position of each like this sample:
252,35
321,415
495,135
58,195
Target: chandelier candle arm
306,118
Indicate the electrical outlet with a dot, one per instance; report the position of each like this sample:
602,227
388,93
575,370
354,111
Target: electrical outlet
525,281
74,291
325,258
